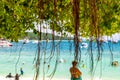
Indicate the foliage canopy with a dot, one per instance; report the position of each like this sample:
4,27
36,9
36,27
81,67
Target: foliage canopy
17,16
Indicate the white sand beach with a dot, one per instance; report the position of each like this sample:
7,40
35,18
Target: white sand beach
31,78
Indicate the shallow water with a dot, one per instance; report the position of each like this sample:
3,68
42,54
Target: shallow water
23,56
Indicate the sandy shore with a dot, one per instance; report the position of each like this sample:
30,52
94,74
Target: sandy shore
30,78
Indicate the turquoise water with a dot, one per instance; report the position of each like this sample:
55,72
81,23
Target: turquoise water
23,55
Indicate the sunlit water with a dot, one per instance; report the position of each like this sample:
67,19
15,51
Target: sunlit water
23,56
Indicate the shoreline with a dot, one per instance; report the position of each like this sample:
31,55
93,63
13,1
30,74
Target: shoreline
32,78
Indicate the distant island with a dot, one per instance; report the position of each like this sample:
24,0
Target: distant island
44,36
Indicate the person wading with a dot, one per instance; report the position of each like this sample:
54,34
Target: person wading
75,72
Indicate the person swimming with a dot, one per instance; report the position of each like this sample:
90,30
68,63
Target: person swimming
9,76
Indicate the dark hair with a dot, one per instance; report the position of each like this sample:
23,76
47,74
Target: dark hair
74,62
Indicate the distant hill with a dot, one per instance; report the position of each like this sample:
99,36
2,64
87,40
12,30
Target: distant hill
44,36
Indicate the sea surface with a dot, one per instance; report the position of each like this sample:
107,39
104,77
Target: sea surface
56,58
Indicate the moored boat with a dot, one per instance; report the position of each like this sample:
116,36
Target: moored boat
5,43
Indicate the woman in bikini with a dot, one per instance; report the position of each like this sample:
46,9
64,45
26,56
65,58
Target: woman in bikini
75,72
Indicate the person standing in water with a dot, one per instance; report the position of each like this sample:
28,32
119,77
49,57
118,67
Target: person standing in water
75,72
17,77
21,71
